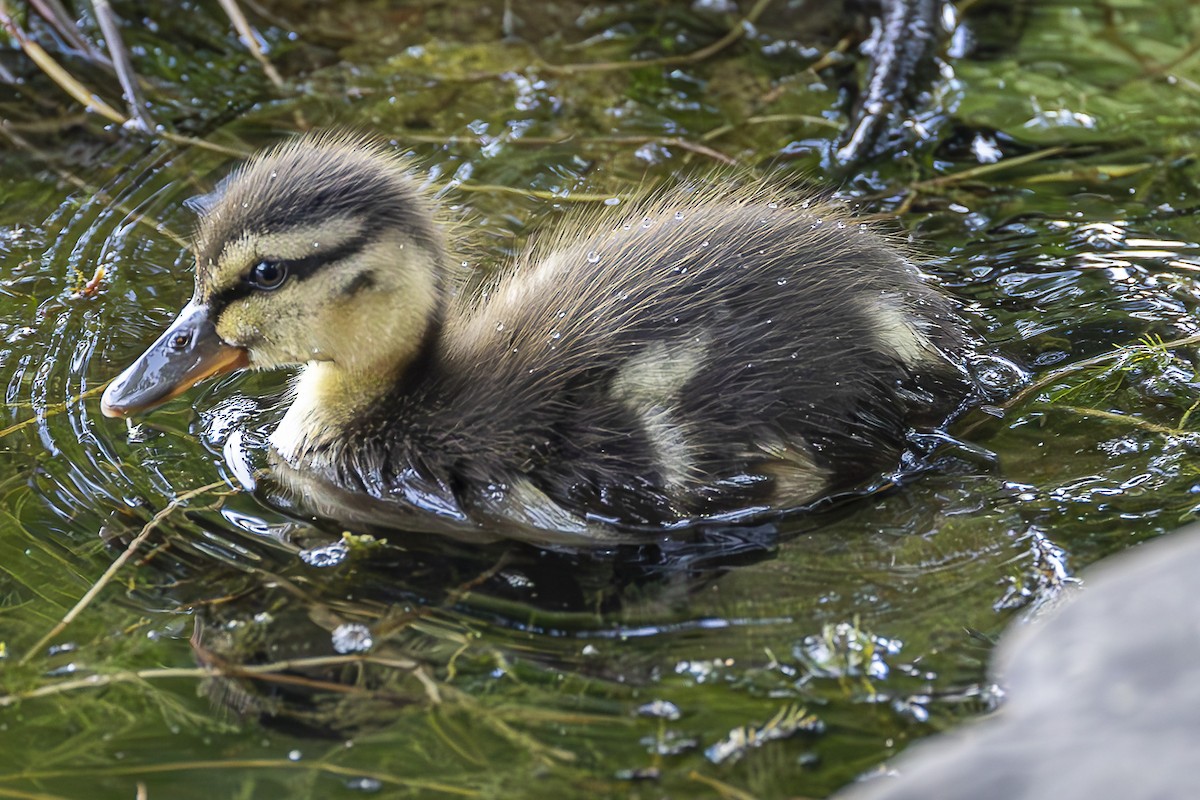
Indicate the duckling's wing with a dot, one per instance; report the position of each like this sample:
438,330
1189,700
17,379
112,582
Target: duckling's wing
728,357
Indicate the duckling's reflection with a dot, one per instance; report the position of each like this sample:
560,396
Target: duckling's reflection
368,627
342,655
542,567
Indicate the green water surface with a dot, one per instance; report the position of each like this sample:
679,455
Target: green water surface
1053,192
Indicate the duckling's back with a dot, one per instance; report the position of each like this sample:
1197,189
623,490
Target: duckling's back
703,357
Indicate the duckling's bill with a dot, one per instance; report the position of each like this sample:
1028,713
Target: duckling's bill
188,352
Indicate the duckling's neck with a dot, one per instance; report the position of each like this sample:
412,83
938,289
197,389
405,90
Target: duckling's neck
327,399
372,344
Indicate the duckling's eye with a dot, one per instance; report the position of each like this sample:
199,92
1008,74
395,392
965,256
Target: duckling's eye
268,275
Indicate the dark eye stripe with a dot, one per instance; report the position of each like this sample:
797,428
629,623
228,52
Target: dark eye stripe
298,269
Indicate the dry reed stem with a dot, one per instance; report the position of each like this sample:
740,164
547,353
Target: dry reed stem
56,14
246,34
91,102
54,71
123,66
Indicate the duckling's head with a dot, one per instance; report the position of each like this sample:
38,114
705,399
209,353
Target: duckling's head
321,250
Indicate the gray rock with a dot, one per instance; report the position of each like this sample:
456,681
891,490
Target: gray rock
1103,697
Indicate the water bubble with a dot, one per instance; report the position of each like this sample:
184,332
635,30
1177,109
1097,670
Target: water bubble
329,555
772,205
781,282
647,222
364,784
704,243
997,376
612,201
499,327
678,215
593,257
663,709
294,755
353,637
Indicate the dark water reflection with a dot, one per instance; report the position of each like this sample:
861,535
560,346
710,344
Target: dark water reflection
588,670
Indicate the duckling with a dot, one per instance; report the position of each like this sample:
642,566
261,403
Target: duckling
709,354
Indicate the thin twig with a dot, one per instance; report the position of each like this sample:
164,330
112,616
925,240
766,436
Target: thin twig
47,124
578,197
720,787
52,410
54,71
223,766
1183,421
88,100
670,141
254,671
721,130
491,718
113,568
1053,377
735,33
56,14
1111,416
1058,374
987,169
123,66
100,194
544,141
190,141
17,794
246,34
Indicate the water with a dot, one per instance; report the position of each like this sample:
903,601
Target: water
425,667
